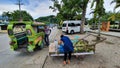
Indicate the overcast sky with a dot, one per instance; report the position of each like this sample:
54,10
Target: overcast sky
38,8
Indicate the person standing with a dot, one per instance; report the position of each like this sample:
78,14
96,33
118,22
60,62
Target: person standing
47,33
68,48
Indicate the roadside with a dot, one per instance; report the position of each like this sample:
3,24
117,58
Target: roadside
106,56
3,31
13,59
4,42
109,33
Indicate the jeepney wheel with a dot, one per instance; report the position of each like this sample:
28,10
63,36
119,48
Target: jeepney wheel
39,47
42,45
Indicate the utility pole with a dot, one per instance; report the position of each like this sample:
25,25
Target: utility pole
19,4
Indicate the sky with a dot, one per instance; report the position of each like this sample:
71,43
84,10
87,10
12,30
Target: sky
39,8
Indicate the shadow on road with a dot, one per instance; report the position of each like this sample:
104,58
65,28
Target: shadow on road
23,54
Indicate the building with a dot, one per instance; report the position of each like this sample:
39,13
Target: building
3,22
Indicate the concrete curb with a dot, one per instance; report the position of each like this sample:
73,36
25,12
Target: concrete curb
3,31
105,34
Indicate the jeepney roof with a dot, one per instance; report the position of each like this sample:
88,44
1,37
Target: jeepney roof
24,22
27,23
38,24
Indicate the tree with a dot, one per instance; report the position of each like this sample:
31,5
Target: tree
99,12
67,9
116,6
6,15
83,5
25,16
117,3
71,10
15,15
115,16
47,19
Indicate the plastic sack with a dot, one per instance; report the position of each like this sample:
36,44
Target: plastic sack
61,49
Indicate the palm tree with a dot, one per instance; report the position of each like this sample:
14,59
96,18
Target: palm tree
113,17
83,6
6,15
99,11
117,3
71,9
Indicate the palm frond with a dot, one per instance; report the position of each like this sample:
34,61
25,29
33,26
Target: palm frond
118,5
93,3
112,2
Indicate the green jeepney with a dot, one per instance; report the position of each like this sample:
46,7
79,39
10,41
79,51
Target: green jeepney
26,36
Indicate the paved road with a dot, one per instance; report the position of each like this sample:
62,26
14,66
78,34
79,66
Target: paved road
12,59
4,42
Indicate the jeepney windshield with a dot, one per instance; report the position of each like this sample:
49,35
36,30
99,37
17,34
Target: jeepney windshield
19,29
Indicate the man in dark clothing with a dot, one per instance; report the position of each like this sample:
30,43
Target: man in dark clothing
47,33
68,48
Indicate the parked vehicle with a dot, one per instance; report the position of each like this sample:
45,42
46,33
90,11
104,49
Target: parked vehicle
25,36
71,26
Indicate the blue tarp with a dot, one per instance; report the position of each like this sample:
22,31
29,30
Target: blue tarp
61,50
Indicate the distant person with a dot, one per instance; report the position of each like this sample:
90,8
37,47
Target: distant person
47,33
68,48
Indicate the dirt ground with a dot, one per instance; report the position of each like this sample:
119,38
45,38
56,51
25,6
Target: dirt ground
107,55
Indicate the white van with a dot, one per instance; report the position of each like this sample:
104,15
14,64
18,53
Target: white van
71,26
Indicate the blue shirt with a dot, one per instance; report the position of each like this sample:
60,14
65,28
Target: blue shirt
68,45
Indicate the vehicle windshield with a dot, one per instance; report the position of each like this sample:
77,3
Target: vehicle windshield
19,29
64,25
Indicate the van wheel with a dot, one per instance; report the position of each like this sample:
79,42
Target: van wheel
72,31
67,32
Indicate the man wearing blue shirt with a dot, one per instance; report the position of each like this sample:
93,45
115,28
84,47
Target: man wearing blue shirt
68,48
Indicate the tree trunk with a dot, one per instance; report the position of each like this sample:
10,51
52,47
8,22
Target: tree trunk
98,37
119,26
83,21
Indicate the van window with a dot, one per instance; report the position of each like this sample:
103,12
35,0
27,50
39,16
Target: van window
64,25
71,24
78,24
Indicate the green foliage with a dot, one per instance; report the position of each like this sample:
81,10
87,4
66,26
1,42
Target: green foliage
15,15
117,3
25,16
99,10
47,19
108,16
68,9
114,16
71,10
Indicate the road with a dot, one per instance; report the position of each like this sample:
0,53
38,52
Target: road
4,42
12,59
106,56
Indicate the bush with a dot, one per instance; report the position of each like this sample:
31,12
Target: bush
59,27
